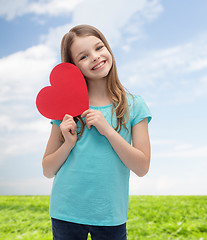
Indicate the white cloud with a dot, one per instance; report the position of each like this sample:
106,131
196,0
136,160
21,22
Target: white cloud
177,74
177,60
161,142
53,7
201,88
185,146
23,139
22,73
31,186
11,9
116,17
174,148
148,10
134,16
183,152
53,38
151,184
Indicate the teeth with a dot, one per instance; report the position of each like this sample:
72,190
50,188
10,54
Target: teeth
101,64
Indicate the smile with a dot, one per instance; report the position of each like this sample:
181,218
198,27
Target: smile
98,66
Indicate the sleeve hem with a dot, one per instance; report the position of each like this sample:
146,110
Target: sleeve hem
140,119
57,122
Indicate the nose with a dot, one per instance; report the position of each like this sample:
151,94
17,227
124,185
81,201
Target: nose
95,56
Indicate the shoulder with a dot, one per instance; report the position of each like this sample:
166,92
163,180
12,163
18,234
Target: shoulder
134,100
138,108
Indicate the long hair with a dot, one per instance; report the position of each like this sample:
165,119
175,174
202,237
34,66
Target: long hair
116,91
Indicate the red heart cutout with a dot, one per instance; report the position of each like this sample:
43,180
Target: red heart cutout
67,94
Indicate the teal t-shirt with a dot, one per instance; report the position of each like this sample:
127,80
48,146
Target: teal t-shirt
92,186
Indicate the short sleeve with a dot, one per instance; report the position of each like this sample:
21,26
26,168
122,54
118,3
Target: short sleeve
57,122
140,111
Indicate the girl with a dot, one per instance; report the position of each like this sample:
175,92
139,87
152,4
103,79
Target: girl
92,163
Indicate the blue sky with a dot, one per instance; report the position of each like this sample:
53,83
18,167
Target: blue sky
161,53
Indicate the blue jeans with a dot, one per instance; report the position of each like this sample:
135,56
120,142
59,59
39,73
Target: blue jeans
63,230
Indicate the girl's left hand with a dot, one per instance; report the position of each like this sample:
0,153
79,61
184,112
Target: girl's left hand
96,118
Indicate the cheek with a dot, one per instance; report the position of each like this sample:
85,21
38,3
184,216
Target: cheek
81,67
110,59
84,70
108,54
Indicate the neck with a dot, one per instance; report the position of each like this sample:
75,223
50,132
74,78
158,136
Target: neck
97,90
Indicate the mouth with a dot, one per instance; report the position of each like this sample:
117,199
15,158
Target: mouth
99,65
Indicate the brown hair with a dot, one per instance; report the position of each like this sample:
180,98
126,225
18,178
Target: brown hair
116,91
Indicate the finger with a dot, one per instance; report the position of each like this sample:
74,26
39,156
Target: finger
71,126
89,114
68,124
70,121
67,116
86,121
73,132
85,112
90,123
69,130
91,118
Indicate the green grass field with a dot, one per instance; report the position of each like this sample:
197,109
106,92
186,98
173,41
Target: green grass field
150,217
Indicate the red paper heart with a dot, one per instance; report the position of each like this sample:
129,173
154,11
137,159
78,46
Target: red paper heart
67,94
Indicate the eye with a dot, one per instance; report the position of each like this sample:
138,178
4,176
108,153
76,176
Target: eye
99,48
83,57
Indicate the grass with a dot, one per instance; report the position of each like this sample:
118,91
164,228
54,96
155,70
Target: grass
150,217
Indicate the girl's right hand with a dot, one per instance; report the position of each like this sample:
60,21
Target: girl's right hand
68,128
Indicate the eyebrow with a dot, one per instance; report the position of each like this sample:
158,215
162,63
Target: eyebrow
86,50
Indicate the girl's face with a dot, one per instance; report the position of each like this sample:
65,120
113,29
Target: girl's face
92,57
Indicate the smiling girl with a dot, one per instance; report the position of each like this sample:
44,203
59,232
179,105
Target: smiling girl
92,164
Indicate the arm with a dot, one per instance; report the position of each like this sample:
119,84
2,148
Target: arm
56,151
137,156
